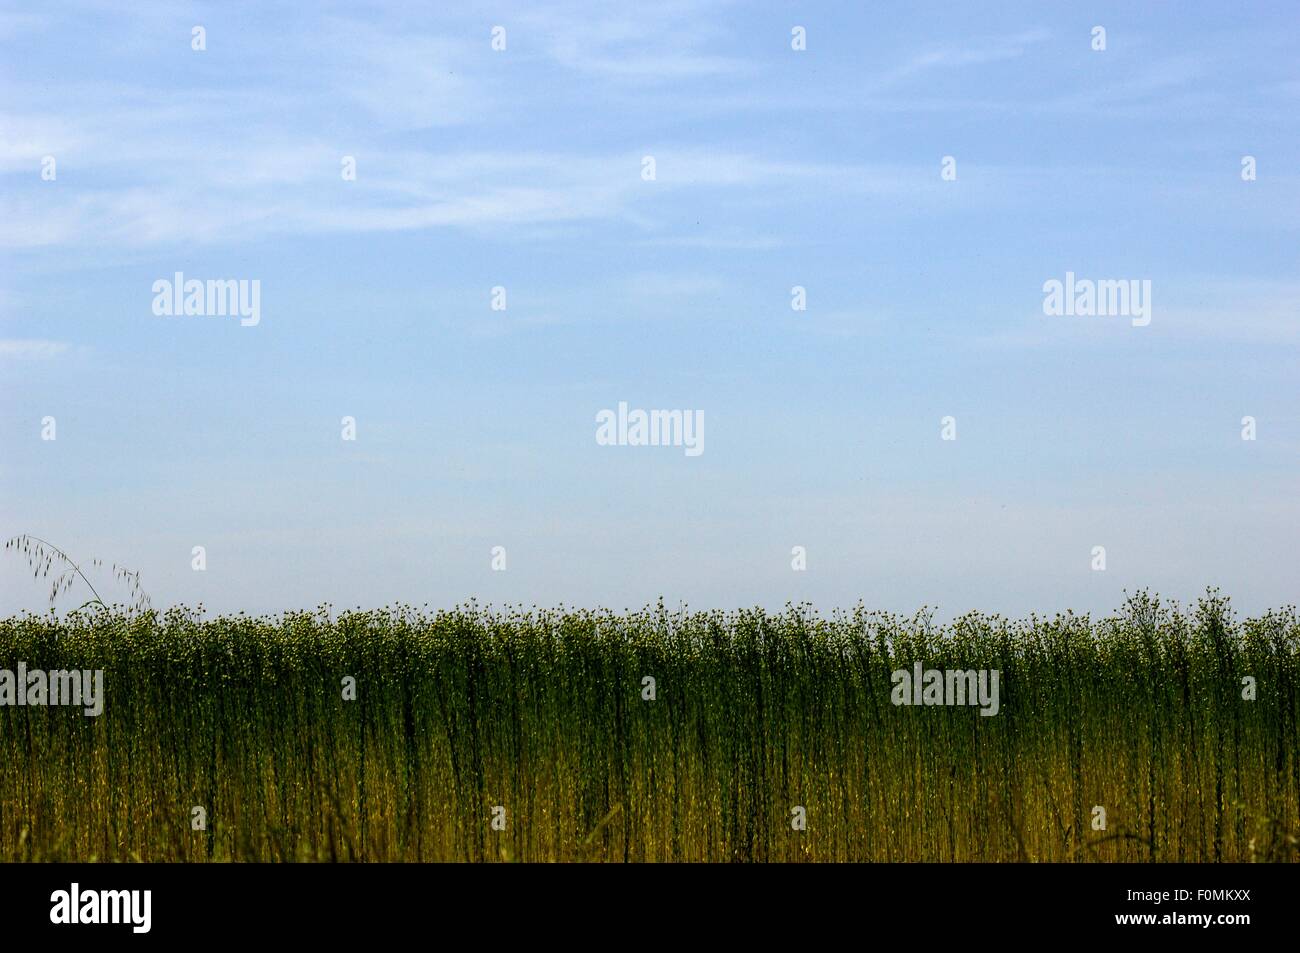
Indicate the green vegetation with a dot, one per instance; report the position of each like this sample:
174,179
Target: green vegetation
542,712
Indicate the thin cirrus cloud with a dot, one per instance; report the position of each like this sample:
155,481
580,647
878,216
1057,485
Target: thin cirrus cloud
198,165
31,348
976,52
285,189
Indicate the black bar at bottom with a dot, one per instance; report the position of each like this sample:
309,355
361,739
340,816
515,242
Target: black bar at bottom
944,902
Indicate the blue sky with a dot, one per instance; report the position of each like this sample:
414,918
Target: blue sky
522,168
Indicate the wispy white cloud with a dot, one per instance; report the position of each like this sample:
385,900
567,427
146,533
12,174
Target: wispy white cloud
408,79
31,349
287,188
1151,82
644,45
974,52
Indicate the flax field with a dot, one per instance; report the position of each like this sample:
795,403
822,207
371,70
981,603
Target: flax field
481,735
